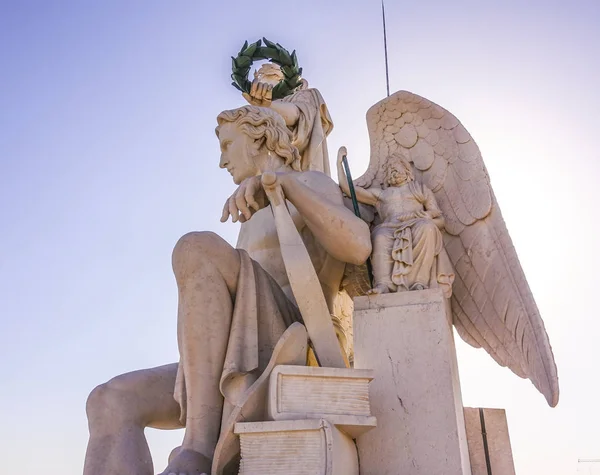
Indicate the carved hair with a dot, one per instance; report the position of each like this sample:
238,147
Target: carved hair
265,126
398,161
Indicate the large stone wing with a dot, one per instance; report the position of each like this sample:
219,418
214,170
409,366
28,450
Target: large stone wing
492,304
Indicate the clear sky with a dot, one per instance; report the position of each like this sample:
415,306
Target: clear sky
108,155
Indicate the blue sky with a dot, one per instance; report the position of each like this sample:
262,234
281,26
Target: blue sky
108,155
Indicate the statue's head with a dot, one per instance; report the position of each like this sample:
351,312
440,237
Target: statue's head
398,170
269,73
254,139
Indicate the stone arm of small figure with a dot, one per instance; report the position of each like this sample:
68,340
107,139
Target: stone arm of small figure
369,197
432,208
343,235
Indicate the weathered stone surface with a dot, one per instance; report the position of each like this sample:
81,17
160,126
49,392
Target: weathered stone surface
498,441
339,395
305,447
406,338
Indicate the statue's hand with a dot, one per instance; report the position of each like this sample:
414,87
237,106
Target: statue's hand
247,200
261,94
342,152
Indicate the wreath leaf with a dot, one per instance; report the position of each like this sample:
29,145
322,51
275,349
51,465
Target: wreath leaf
269,44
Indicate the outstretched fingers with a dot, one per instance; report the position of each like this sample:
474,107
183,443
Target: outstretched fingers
249,194
242,204
225,214
230,209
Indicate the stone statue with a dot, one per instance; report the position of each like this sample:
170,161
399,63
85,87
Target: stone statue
308,118
492,305
234,303
304,111
408,251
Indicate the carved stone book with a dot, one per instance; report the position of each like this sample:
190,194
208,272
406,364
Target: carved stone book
305,447
339,395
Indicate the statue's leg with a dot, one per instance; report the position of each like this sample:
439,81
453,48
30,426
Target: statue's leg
427,244
381,260
206,268
119,410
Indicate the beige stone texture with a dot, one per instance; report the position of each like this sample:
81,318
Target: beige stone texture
303,279
406,338
342,319
341,396
498,441
290,350
304,447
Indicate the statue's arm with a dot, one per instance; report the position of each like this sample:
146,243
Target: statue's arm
289,111
369,197
431,206
260,95
319,201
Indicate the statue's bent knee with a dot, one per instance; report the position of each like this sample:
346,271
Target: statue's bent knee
194,248
429,230
107,403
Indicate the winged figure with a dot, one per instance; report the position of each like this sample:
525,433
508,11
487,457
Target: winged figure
492,305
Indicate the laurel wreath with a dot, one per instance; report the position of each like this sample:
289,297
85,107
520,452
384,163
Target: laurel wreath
275,53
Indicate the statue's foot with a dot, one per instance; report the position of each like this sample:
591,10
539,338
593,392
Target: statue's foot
379,289
188,462
418,286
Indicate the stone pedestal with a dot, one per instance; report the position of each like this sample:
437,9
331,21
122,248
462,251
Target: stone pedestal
489,427
407,339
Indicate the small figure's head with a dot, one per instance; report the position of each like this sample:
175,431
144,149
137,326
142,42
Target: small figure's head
398,170
269,73
253,139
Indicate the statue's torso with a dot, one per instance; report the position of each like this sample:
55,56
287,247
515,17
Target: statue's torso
258,237
397,200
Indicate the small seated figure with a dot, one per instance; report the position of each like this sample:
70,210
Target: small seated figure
408,248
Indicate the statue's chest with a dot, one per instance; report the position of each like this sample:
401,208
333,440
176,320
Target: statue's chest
260,234
397,200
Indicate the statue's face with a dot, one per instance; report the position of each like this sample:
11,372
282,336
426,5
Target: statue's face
235,153
396,175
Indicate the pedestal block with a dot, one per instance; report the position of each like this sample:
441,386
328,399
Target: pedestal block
488,427
407,339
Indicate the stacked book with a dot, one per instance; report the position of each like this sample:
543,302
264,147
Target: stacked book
314,415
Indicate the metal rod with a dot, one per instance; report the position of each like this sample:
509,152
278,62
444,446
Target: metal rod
387,71
356,208
486,449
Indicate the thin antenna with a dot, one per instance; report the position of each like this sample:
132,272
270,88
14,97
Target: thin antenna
387,71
